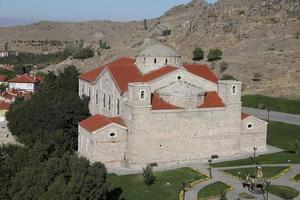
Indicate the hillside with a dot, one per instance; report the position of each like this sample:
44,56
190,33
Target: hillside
259,37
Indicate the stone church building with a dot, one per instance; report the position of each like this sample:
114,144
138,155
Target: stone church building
155,109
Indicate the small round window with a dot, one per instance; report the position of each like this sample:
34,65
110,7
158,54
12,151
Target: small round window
250,125
112,134
178,77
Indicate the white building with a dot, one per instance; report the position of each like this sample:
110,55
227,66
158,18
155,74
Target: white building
24,82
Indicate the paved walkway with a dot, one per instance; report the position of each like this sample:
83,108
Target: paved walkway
218,175
273,116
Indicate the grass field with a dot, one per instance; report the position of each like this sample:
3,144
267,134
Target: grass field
272,103
283,191
297,177
269,172
281,135
246,196
213,190
167,186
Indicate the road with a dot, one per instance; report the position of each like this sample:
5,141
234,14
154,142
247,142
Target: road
273,116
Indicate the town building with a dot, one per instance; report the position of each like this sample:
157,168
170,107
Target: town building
155,109
24,82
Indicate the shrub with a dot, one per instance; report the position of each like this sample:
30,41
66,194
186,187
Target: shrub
228,77
84,53
223,66
214,54
198,54
103,45
257,76
166,32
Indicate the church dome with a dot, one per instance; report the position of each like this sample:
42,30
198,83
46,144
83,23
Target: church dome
158,50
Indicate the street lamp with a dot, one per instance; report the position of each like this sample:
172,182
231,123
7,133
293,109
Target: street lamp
254,154
209,169
268,183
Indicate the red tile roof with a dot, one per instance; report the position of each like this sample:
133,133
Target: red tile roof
3,78
4,105
159,104
97,122
156,74
91,76
123,72
244,116
202,71
212,100
25,78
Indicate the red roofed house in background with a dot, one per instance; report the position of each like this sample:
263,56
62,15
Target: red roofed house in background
154,109
24,82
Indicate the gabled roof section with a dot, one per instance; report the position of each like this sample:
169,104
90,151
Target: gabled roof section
212,100
92,75
159,104
244,115
25,78
156,73
202,71
97,122
124,71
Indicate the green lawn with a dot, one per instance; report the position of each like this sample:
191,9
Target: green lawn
297,177
269,172
272,103
133,187
212,190
281,135
283,191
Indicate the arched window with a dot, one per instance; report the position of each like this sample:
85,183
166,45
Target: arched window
234,89
97,97
142,94
144,60
109,102
89,91
166,61
104,99
154,60
82,89
118,106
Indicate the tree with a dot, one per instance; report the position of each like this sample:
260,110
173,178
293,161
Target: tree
166,32
297,146
103,45
148,175
84,54
214,54
228,77
145,24
198,54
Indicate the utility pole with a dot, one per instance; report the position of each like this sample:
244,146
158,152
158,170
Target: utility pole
209,169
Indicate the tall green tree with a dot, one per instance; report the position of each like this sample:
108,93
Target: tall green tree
149,178
214,54
198,54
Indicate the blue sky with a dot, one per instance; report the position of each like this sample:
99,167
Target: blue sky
24,11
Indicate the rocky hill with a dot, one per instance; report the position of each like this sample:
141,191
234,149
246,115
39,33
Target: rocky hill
259,38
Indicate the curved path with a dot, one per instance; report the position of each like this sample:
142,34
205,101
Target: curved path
218,175
273,115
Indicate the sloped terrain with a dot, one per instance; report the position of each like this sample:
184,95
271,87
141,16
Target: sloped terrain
258,37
